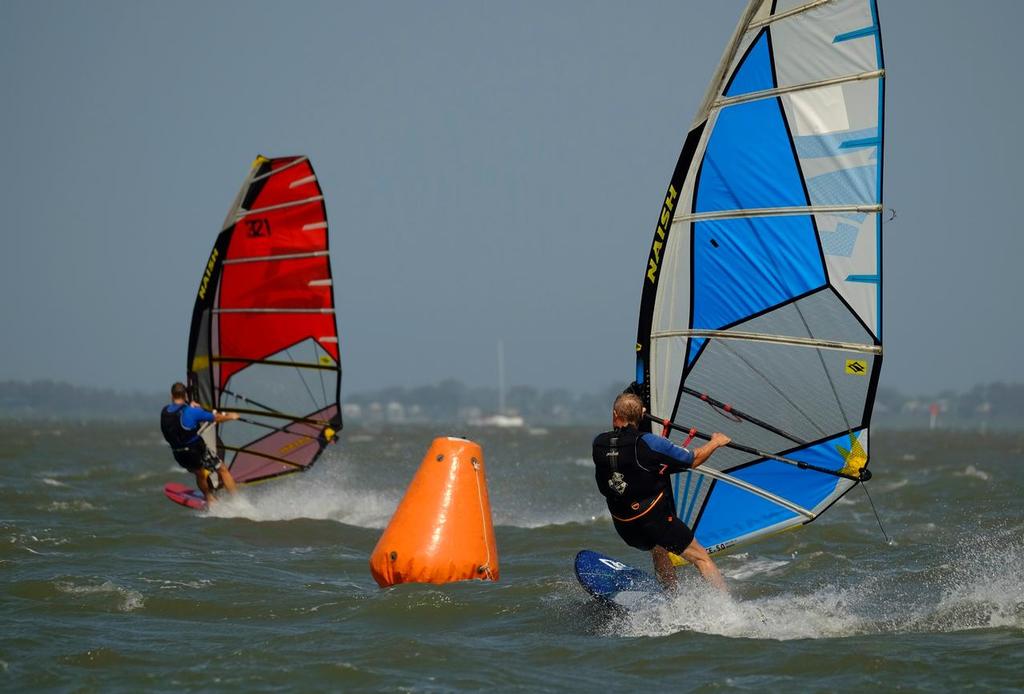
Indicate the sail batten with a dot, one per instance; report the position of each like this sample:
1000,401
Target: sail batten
806,86
764,337
275,258
763,282
264,316
778,212
283,206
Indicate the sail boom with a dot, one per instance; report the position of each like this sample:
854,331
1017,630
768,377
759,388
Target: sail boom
276,362
806,86
777,339
281,415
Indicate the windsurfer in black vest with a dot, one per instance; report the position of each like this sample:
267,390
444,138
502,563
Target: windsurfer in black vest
632,472
180,423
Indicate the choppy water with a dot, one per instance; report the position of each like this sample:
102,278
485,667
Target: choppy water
108,586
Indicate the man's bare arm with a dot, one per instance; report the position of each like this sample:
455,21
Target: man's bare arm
700,455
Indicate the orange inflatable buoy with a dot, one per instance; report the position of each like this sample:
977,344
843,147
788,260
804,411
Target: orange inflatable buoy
442,530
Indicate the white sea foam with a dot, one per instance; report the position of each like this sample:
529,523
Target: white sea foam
979,590
896,484
750,568
165,584
53,483
333,492
76,505
972,471
699,608
983,589
326,493
127,599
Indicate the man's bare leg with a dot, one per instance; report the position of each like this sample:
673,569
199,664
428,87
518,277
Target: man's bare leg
663,568
698,556
225,478
203,482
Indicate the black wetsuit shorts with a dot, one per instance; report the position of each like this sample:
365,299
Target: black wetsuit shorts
195,457
659,526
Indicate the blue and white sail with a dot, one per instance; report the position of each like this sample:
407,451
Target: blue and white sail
761,310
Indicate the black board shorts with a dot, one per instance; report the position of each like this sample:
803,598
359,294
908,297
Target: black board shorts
660,526
195,457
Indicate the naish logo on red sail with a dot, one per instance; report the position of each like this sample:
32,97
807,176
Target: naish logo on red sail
210,264
654,262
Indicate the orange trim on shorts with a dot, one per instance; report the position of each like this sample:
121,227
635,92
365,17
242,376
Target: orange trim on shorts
642,513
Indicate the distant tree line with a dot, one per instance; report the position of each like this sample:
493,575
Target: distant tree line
998,404
58,400
453,401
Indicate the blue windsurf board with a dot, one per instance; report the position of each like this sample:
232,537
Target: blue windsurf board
615,582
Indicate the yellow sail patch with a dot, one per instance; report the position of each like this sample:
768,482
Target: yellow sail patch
855,458
857,367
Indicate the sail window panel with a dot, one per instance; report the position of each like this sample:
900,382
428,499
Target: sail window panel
832,40
698,414
278,389
744,266
298,444
807,393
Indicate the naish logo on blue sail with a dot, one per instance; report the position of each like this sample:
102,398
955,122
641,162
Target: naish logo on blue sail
210,264
654,262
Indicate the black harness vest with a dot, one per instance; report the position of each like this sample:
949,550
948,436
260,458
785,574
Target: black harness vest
629,488
175,433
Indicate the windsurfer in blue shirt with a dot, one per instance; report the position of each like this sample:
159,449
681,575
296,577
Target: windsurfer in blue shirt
180,423
632,469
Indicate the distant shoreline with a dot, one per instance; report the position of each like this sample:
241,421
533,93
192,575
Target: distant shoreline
995,406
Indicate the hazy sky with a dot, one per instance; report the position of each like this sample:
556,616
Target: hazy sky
491,169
